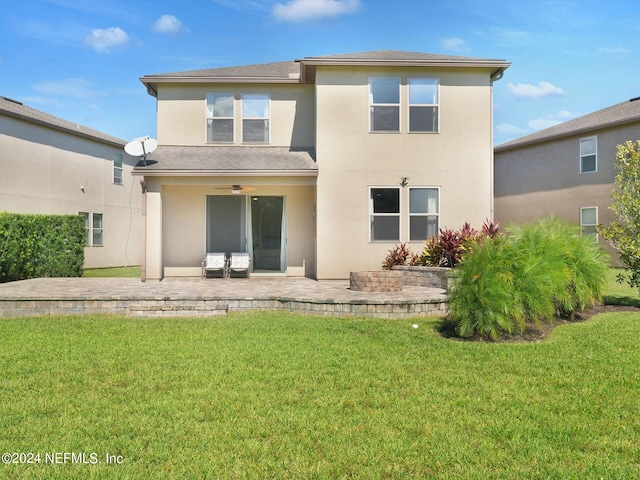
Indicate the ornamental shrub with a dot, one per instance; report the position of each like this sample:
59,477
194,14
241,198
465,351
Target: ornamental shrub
449,246
40,246
531,274
624,233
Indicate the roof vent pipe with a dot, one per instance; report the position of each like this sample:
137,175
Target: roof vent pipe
634,99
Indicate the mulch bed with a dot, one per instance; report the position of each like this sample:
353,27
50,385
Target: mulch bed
536,333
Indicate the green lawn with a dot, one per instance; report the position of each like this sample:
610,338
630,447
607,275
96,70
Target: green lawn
620,293
275,395
115,272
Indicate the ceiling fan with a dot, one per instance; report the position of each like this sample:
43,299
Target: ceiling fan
237,189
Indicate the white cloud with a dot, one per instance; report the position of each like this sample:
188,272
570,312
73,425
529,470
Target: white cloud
70,87
508,129
615,51
306,10
454,44
169,24
542,90
542,123
551,120
102,40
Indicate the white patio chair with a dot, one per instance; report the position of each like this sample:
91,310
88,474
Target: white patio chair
214,262
239,262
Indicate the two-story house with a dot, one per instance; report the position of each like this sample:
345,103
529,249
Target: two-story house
316,166
52,166
566,170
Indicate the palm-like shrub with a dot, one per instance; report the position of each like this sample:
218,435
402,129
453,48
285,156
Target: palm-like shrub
532,274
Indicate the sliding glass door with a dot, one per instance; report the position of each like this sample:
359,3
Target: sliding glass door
254,224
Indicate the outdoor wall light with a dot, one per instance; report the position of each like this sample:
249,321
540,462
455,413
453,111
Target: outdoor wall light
404,181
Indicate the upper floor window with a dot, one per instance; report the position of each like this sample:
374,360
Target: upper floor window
424,211
589,221
588,154
255,118
220,117
384,214
384,104
423,104
117,168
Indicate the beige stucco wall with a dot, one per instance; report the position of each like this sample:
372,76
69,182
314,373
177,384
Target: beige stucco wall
42,171
457,160
182,113
181,235
544,178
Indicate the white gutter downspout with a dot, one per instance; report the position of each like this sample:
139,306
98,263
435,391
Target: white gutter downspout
143,260
494,78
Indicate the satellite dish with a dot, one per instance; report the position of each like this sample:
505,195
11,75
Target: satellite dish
141,147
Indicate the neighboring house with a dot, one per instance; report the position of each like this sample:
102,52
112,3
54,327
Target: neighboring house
567,170
52,166
318,166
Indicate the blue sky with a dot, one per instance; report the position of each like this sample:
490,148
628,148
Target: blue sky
81,60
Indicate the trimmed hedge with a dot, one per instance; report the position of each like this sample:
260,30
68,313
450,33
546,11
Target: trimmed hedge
40,246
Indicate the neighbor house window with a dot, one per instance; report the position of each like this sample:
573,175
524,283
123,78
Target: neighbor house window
423,104
424,209
97,230
588,154
589,220
255,118
384,104
92,229
117,168
384,208
220,117
87,228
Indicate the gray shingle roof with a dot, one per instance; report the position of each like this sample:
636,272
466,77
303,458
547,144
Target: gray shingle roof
621,113
217,160
398,55
280,70
293,71
15,109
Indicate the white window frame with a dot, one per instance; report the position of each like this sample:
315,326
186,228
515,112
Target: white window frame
90,228
211,117
417,105
87,227
118,169
372,105
94,229
583,225
267,118
593,138
372,214
427,214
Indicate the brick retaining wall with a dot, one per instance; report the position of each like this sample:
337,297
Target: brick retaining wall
434,277
376,281
167,307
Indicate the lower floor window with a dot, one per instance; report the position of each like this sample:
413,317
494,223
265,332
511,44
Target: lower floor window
384,216
589,220
424,210
92,229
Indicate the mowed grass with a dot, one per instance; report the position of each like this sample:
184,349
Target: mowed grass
114,272
275,395
620,293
